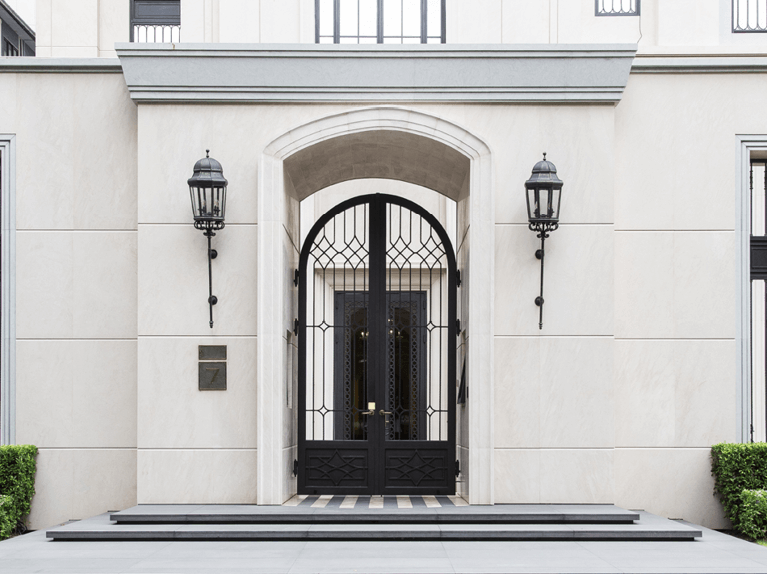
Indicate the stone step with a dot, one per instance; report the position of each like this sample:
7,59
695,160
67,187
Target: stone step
391,532
648,527
328,513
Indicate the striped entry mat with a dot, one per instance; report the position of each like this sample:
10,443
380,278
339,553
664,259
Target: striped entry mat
340,501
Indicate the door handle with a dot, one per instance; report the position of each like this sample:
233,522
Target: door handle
368,412
383,412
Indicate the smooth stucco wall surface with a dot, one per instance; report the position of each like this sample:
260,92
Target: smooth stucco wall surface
76,250
617,400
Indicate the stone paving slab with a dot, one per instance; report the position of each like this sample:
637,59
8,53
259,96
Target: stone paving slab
714,553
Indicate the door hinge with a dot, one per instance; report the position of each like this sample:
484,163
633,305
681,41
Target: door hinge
457,467
295,467
295,327
296,275
458,278
457,327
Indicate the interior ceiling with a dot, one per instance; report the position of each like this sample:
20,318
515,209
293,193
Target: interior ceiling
386,154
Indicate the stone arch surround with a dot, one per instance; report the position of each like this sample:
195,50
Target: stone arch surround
279,170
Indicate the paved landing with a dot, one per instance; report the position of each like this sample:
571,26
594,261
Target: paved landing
712,553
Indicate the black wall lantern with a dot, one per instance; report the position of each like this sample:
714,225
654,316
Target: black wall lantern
207,188
544,193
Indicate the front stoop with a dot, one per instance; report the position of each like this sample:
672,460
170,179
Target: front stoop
309,521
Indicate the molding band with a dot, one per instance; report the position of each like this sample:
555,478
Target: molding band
273,73
700,64
36,65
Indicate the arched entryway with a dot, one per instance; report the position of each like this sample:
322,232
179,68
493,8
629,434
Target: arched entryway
377,351
379,142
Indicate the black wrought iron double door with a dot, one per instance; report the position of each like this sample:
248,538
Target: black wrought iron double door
377,344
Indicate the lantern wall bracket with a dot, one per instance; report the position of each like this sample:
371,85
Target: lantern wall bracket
543,233
212,254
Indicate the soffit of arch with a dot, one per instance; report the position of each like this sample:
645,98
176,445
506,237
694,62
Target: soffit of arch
383,154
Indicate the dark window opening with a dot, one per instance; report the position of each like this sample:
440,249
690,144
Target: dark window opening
10,49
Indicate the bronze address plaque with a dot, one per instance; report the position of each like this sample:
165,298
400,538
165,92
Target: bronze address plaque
212,372
212,352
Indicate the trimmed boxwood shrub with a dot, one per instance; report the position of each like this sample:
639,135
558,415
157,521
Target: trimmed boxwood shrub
738,467
17,484
752,520
7,523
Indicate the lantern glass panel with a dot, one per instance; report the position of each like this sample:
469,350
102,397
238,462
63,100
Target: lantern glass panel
543,203
555,201
533,203
208,202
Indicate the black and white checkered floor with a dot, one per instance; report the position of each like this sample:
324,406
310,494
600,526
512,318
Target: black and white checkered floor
374,502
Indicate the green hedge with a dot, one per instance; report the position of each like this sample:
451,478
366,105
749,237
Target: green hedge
7,523
738,467
17,484
752,520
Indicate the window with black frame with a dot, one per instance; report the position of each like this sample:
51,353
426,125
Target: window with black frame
758,263
155,21
380,21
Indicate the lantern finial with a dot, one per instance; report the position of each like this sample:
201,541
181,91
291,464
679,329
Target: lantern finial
544,156
207,154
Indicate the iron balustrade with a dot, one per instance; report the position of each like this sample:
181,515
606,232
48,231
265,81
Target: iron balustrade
749,16
617,7
155,21
156,34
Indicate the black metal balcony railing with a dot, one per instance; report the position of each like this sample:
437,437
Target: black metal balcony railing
156,33
155,21
749,15
617,7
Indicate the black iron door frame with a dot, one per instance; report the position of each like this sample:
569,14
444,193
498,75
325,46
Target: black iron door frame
377,465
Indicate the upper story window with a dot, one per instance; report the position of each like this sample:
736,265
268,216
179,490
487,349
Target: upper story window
749,15
380,21
155,21
617,7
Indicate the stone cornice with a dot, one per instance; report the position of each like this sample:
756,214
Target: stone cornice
372,74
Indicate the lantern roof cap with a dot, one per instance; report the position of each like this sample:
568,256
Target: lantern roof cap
544,173
207,173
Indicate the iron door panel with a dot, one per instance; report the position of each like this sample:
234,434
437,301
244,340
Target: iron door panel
419,467
336,467
406,281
